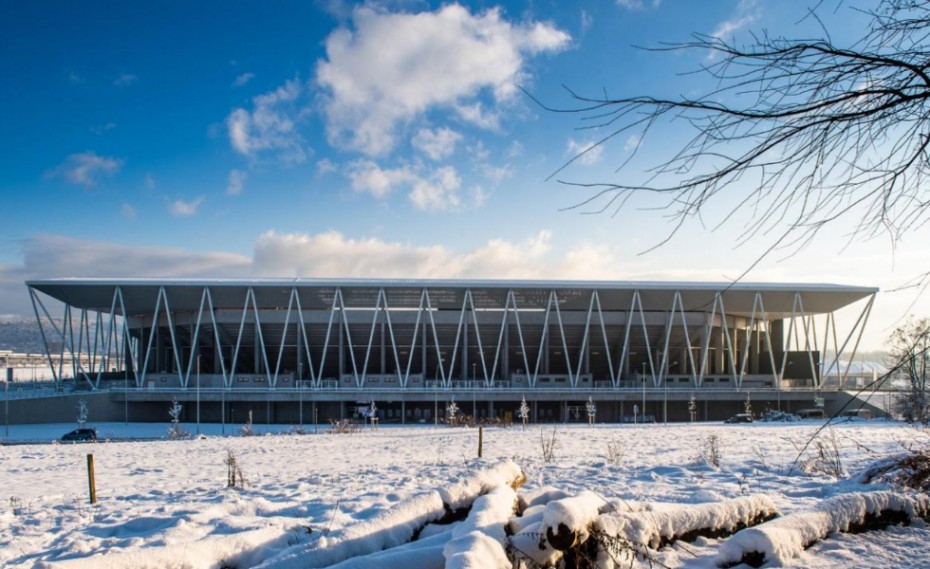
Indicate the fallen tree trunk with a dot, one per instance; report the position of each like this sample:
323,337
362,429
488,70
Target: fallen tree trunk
478,542
784,539
657,528
399,524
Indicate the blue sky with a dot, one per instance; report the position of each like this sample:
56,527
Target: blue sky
387,139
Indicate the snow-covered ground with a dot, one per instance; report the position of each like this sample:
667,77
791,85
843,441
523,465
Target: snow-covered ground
165,503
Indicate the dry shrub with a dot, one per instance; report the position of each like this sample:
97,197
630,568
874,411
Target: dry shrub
548,443
826,458
343,427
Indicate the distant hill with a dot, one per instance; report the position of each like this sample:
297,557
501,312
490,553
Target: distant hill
21,335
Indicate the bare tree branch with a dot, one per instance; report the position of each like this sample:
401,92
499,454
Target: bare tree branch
798,134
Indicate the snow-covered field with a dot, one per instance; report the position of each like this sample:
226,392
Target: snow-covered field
166,503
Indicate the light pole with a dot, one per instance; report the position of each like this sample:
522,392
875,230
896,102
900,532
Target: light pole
198,394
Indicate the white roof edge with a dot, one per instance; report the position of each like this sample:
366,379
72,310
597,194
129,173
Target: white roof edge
455,283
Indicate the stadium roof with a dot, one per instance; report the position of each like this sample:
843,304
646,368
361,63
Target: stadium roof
140,294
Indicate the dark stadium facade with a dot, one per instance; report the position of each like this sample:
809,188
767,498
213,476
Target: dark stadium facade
314,350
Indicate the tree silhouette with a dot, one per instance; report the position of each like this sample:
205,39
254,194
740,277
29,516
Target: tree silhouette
798,132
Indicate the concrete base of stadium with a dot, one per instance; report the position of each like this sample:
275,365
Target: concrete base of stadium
425,407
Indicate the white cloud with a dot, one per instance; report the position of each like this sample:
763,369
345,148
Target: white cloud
638,4
271,127
125,80
478,196
747,11
243,79
437,144
128,212
496,174
236,182
86,168
150,182
332,254
438,192
182,208
428,189
587,152
74,78
367,176
633,142
391,67
325,166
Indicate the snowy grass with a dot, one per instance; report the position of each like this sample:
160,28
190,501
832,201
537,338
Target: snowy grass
166,502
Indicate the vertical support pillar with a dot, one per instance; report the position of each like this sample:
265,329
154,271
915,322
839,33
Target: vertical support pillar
505,349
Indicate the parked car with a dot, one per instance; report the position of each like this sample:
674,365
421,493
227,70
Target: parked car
80,435
740,418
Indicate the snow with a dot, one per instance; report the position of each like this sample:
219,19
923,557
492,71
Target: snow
165,503
478,543
783,539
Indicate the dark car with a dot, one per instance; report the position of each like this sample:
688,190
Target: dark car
80,435
740,418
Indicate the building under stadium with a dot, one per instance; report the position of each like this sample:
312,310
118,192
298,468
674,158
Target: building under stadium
304,350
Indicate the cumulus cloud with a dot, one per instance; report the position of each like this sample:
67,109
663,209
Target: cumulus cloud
367,176
243,79
586,152
86,168
437,144
428,189
447,58
236,182
270,128
182,208
440,191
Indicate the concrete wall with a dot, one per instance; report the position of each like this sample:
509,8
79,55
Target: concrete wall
62,409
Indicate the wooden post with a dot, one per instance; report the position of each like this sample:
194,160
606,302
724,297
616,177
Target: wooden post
90,479
480,440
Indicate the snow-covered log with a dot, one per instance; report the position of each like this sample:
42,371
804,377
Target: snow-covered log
478,542
399,524
656,528
783,539
567,521
461,494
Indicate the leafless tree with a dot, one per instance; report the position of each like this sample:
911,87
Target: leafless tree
909,349
798,132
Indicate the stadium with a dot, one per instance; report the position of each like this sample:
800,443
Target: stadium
315,350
